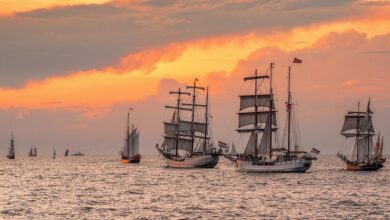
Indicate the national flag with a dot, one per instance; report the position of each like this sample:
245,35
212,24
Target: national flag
222,144
296,60
314,150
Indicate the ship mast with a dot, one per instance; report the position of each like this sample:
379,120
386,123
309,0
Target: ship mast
194,87
357,133
256,77
289,113
270,110
368,129
206,115
178,108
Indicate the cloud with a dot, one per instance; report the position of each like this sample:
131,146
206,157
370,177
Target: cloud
57,40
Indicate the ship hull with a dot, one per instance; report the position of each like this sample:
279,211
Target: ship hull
135,159
291,166
201,161
11,157
365,167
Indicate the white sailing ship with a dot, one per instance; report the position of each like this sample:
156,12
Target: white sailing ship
130,152
187,142
257,116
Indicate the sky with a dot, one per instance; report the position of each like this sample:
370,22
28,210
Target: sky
70,69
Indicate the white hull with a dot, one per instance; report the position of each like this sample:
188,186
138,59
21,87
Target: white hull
297,165
202,161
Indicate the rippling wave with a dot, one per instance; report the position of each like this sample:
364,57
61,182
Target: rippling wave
98,187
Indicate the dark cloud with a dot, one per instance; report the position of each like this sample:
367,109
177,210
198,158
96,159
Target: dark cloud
46,42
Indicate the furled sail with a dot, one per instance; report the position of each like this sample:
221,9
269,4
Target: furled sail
248,118
247,101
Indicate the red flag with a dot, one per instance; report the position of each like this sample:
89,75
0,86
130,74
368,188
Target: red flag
296,60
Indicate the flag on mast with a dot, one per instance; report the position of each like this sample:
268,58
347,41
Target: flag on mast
296,60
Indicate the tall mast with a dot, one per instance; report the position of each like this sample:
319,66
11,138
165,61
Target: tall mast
206,115
178,108
289,113
270,110
128,134
256,77
194,87
357,133
368,129
256,109
193,116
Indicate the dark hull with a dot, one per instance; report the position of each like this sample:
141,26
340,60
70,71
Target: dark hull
135,159
11,157
365,167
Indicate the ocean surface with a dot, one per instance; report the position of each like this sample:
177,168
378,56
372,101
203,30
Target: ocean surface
100,187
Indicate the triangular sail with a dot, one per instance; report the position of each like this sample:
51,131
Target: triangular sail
265,140
233,151
135,150
250,146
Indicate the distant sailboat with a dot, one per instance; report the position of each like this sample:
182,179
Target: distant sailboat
358,126
130,152
11,151
54,153
187,143
257,116
66,152
33,152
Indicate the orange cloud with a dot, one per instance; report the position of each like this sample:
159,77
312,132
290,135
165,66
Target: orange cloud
10,7
138,75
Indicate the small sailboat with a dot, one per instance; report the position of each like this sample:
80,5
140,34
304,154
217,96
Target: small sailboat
11,151
33,152
66,152
187,142
257,116
54,153
358,126
130,152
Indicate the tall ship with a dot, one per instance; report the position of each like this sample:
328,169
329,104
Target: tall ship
359,129
257,117
130,152
187,142
33,152
11,150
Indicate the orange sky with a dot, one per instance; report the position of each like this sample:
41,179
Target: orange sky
138,75
344,59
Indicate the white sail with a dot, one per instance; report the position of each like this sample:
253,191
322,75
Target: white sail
250,146
247,101
381,148
183,144
364,150
265,140
248,118
233,151
185,127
